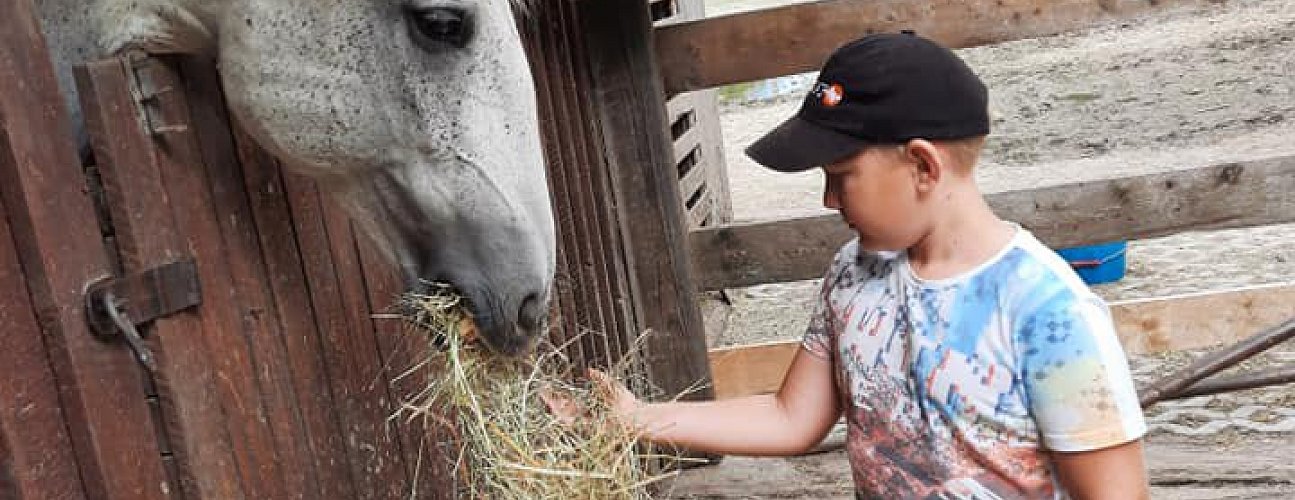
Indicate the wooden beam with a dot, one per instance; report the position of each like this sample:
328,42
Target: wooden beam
797,38
1228,195
631,111
753,369
1189,321
1205,319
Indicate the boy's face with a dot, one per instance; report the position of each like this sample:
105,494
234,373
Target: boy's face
876,193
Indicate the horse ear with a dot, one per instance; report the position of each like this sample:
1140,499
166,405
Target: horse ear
154,26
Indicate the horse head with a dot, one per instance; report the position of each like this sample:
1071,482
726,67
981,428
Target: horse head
418,115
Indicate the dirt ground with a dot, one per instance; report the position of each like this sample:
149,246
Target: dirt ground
1177,89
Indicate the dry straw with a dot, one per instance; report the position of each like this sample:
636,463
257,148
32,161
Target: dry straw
509,446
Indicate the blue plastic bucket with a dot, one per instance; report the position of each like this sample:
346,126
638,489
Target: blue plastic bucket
1097,264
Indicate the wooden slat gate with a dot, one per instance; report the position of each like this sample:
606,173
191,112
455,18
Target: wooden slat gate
280,384
74,420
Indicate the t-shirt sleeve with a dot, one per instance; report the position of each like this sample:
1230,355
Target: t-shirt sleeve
1075,375
819,337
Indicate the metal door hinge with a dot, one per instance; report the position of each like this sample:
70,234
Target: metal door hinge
116,306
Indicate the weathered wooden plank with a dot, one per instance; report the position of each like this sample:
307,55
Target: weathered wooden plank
37,453
571,305
797,38
1144,326
754,369
1229,195
687,143
572,211
691,182
698,213
285,273
712,155
56,233
399,352
337,292
631,112
145,225
1205,319
242,238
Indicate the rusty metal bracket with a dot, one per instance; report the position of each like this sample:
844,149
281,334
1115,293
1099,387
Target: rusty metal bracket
147,94
116,306
1192,380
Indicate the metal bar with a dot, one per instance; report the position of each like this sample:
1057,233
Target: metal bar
1281,375
1175,384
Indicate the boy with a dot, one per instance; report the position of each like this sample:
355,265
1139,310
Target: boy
968,359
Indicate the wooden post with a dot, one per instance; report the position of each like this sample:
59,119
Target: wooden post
630,110
56,234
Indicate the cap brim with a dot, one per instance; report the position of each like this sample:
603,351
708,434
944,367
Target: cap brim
799,145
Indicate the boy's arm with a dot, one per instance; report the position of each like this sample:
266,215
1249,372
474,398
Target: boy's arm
790,422
1117,472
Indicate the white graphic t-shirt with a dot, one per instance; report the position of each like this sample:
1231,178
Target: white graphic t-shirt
957,388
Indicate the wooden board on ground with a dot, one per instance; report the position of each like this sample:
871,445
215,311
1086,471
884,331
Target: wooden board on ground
1227,195
1145,326
797,38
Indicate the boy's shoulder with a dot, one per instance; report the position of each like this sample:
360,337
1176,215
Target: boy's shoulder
852,264
1034,278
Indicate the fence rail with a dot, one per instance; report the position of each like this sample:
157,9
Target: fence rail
1228,195
793,39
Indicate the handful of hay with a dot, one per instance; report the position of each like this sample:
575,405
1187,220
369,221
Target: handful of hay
510,446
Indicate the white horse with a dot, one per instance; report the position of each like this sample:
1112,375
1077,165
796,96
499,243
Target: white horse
418,115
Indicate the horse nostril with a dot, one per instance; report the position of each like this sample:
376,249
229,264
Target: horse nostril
532,312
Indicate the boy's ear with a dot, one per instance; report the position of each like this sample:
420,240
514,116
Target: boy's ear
928,163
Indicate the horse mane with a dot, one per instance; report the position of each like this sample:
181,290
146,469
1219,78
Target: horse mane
524,9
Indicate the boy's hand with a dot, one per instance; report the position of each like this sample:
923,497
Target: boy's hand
622,403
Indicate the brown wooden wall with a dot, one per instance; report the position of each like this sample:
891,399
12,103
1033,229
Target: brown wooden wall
623,266
593,290
280,384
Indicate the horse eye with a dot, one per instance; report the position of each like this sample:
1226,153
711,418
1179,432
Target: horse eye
441,25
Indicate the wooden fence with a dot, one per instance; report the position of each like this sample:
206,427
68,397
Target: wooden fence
796,38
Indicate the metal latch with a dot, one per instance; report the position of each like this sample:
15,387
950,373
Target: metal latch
116,306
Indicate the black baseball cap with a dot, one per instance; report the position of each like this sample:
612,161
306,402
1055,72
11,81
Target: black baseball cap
880,89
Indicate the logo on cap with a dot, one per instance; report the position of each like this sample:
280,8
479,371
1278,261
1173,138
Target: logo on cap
829,94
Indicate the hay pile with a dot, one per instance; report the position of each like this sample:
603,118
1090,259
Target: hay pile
509,445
